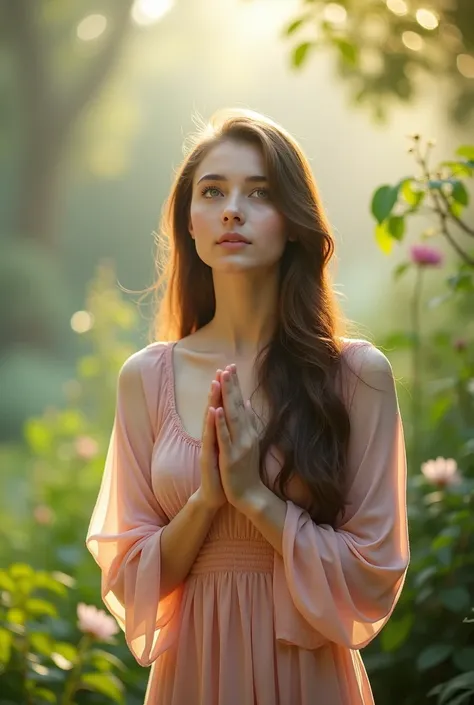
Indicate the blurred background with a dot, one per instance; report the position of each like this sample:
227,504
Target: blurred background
96,99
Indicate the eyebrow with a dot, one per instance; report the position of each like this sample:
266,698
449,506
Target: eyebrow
220,177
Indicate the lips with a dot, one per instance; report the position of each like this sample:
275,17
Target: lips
232,237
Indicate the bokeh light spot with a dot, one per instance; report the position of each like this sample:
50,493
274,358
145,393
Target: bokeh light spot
398,7
91,27
146,12
82,321
334,13
465,64
427,19
412,41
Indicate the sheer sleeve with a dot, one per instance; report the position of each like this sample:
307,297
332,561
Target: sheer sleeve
127,521
341,584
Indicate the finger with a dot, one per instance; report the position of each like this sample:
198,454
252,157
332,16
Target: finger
217,394
209,436
231,405
222,431
212,400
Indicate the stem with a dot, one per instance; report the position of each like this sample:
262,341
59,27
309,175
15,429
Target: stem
416,364
74,679
437,198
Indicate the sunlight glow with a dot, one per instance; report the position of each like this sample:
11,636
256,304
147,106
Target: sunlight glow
427,19
82,321
398,7
465,64
412,41
334,13
145,12
91,27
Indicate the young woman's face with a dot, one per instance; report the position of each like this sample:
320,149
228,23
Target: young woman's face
231,197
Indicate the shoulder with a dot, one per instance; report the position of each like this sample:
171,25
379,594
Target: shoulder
145,361
143,377
367,363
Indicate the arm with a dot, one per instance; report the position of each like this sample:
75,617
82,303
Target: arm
143,556
182,539
345,582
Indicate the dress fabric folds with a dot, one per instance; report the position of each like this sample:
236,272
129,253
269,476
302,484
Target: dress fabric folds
250,626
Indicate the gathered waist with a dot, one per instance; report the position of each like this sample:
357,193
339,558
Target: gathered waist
239,555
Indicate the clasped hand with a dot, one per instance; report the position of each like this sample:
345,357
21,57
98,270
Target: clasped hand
231,428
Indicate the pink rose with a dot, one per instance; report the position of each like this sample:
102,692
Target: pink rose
96,622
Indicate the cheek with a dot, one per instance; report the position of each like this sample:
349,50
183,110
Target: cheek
200,218
272,225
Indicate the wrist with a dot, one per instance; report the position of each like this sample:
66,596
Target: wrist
199,501
254,501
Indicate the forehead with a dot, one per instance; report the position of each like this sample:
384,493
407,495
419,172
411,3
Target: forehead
233,159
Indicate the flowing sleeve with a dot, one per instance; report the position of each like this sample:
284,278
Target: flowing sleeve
127,521
341,584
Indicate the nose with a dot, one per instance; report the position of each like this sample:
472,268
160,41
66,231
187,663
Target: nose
232,212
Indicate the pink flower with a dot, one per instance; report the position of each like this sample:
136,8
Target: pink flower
425,256
96,622
441,472
43,514
86,447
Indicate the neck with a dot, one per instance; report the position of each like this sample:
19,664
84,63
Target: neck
246,311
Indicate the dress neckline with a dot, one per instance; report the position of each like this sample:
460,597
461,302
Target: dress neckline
176,418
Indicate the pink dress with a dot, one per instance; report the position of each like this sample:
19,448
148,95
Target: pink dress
249,626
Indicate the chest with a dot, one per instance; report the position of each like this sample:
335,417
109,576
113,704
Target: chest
192,383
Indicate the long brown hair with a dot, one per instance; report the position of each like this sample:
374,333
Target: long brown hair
298,369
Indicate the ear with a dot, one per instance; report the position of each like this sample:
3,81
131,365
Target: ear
190,228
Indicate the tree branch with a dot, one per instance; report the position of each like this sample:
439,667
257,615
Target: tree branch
93,79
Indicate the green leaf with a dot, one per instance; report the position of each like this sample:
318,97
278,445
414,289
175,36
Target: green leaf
44,695
105,684
15,616
349,52
466,151
104,660
6,641
37,607
41,643
396,227
300,54
455,599
45,581
383,202
460,194
464,658
412,197
395,632
459,168
465,681
38,437
383,238
6,582
433,655
424,575
66,650
401,269
21,570
294,26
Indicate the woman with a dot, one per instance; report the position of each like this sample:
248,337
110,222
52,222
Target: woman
251,559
